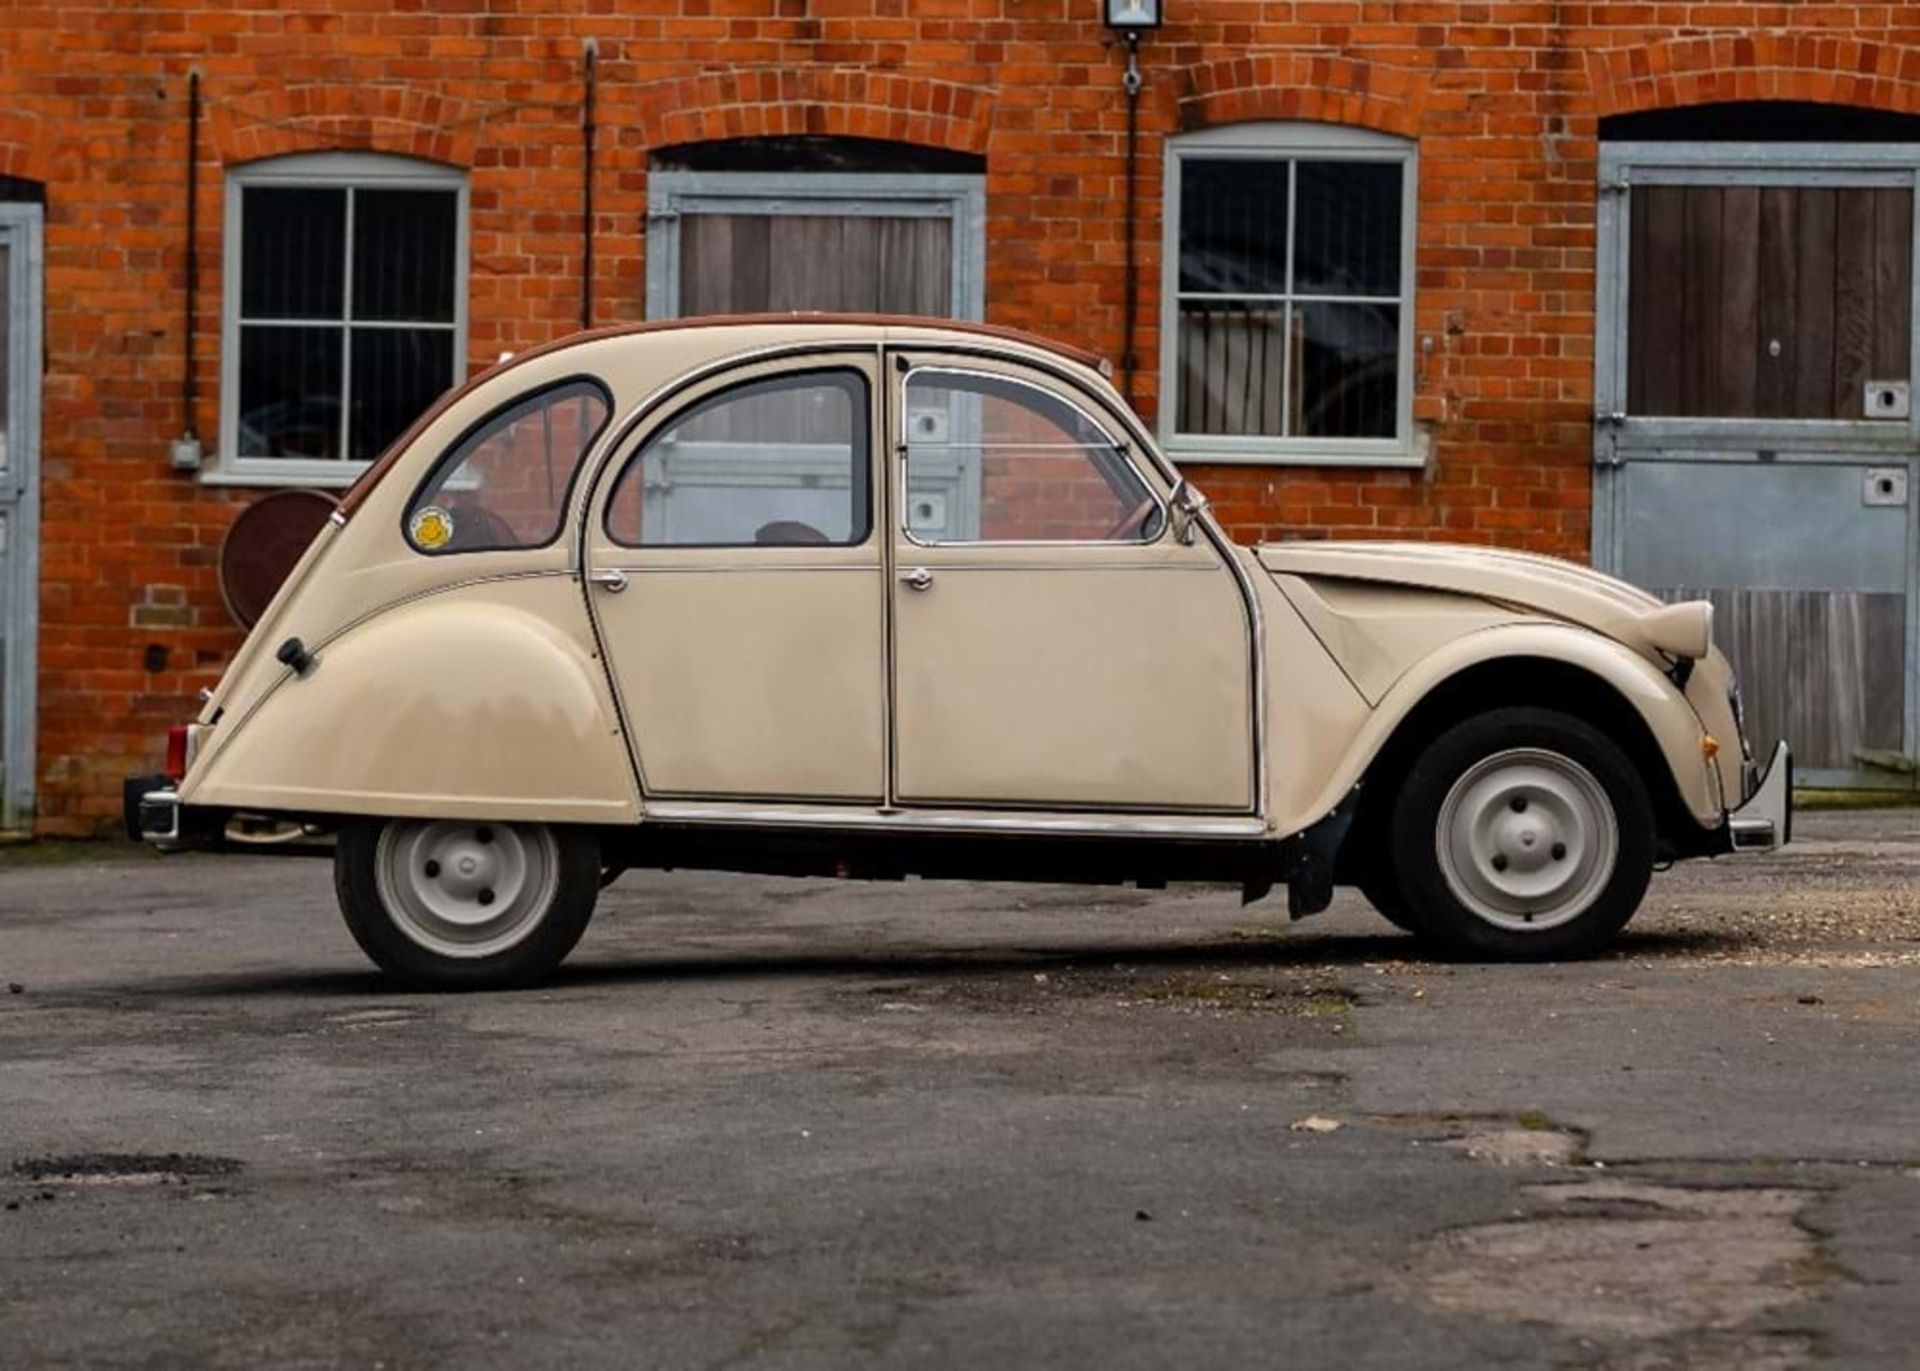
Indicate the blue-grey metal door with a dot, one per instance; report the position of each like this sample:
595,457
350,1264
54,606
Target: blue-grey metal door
1756,440
19,503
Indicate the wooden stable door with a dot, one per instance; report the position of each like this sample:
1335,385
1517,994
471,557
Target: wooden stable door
1768,301
1755,438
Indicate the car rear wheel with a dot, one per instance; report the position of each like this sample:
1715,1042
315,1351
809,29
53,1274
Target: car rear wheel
1522,834
458,905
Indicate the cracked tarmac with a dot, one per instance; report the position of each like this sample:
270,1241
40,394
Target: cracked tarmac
802,1124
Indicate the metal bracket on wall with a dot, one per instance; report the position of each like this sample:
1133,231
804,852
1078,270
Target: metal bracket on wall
1606,452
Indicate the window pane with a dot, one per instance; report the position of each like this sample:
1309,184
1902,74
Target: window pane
783,461
293,244
1346,365
1347,228
397,373
1233,226
1230,378
404,246
993,460
507,485
289,392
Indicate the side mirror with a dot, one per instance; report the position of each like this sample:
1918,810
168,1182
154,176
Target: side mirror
1188,505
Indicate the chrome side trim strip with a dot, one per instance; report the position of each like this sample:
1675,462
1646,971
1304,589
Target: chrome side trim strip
947,821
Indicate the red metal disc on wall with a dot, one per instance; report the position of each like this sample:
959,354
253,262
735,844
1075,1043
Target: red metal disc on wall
262,545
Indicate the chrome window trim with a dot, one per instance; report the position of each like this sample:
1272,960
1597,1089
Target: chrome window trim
1039,822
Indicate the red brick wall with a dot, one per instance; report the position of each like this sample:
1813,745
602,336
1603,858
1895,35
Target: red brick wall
1504,96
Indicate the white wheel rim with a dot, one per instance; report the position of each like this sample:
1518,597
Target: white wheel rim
466,890
1527,839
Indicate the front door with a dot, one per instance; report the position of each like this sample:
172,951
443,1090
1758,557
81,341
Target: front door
1757,440
735,577
1055,645
19,504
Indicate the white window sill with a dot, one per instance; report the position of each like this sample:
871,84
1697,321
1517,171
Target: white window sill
280,475
1200,454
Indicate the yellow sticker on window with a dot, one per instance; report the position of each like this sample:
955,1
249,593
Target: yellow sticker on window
431,528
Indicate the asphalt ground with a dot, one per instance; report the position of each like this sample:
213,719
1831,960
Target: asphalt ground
781,1123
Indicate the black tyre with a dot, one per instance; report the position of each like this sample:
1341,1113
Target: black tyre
1383,893
458,905
1522,835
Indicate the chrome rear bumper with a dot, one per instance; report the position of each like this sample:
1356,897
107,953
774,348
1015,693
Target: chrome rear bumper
1765,822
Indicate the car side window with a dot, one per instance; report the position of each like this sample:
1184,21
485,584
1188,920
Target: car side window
505,484
991,459
780,461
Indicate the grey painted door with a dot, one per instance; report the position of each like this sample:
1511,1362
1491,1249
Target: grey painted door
1755,437
19,507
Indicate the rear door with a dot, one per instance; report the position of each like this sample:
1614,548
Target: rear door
735,576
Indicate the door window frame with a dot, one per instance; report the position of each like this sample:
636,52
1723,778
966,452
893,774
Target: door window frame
962,200
866,440
1627,165
20,497
1122,451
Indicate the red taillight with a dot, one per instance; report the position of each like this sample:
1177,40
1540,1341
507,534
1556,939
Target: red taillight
177,751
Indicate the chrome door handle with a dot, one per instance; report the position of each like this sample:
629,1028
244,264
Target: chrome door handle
613,582
917,579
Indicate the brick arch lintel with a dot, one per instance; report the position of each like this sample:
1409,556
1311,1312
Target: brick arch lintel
1323,87
25,151
758,102
1712,68
401,121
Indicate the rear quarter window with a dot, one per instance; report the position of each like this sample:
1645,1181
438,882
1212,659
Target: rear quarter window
506,483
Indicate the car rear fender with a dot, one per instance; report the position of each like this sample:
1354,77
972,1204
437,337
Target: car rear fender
483,700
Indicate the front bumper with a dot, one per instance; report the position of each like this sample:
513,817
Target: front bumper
1765,822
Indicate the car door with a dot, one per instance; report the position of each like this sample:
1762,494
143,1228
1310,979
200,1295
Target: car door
1055,645
735,574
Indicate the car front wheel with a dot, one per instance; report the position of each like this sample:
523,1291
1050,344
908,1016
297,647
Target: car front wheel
1522,834
457,905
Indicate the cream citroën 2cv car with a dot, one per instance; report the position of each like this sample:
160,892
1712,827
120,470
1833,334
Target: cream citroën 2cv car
855,596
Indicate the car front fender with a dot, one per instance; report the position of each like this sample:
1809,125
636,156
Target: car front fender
1670,720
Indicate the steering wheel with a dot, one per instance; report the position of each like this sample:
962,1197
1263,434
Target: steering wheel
479,529
1131,522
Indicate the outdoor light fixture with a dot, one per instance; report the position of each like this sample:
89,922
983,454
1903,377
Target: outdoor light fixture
1130,19
1132,16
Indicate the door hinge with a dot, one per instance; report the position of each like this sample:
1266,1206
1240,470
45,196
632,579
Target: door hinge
1617,184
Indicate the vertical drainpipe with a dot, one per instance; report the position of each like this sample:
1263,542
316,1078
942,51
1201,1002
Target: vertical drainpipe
587,131
1130,307
186,448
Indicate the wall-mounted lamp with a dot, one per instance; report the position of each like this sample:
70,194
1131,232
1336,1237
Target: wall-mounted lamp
1133,16
1130,19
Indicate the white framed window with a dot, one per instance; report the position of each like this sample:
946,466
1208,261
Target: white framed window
343,311
1287,323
